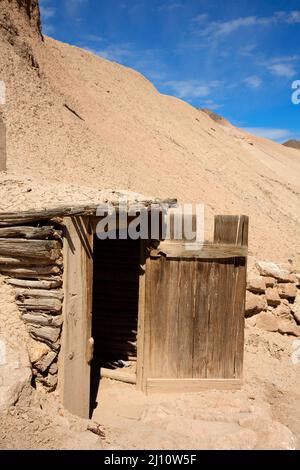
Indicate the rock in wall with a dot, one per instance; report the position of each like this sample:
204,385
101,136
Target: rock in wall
273,300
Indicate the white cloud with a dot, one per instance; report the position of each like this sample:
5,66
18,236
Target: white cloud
191,88
48,29
116,52
200,18
268,133
253,81
73,5
93,38
293,17
47,12
282,70
219,29
247,50
211,104
170,6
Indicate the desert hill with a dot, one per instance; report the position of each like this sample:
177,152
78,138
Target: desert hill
76,118
293,144
216,117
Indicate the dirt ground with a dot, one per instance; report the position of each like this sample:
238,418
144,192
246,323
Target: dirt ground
265,414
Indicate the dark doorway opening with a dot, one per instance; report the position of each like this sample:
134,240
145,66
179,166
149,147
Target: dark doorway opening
115,308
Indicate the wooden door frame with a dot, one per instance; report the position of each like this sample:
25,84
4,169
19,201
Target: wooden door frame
76,233
142,327
76,345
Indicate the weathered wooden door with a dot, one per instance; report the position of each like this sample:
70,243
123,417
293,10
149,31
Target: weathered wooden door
194,312
76,353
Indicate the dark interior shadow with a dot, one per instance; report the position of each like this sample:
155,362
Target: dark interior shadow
95,386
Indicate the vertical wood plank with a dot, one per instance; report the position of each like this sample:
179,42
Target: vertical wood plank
185,298
231,229
147,325
141,318
239,315
74,370
201,318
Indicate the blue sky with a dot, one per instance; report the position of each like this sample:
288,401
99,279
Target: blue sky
237,57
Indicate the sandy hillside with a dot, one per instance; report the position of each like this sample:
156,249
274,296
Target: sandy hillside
293,144
73,117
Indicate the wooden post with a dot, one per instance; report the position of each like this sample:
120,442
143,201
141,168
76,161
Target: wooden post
2,145
234,230
231,229
75,355
141,318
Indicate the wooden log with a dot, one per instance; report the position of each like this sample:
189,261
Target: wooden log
47,334
30,233
47,285
33,272
108,357
118,319
15,218
22,261
121,327
116,374
120,330
39,293
32,303
43,320
117,350
120,344
36,249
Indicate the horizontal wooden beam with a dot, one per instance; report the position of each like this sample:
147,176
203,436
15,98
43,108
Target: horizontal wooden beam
42,303
192,385
24,262
32,272
27,284
36,249
175,250
29,233
119,375
39,294
14,218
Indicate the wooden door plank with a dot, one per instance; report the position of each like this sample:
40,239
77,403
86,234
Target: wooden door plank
185,319
191,385
201,319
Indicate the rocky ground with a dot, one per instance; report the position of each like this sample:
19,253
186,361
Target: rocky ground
265,414
273,299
